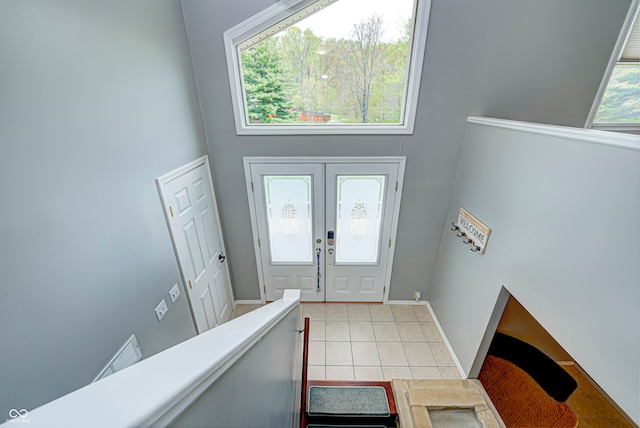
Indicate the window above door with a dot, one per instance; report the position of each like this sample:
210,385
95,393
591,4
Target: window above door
328,67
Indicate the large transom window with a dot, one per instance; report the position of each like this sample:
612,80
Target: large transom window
617,108
328,66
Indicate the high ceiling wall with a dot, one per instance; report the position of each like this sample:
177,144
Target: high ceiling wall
550,247
532,61
97,99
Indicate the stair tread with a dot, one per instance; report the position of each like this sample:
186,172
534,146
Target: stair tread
348,400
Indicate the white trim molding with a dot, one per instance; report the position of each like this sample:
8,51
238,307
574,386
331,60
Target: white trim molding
594,136
249,302
407,302
446,342
278,13
629,127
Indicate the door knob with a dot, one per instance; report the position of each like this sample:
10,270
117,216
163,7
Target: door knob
221,258
330,251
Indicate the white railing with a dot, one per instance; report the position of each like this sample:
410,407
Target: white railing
162,389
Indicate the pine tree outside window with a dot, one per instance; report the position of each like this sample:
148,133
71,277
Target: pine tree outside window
328,66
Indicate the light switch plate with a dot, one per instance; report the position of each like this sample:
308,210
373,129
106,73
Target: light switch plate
174,293
161,309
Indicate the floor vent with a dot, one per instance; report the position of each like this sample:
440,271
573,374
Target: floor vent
128,355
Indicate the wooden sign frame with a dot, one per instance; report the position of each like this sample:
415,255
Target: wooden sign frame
473,229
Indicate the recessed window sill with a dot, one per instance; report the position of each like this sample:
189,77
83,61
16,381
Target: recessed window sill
629,128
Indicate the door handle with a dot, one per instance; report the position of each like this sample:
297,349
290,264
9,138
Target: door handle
330,251
221,258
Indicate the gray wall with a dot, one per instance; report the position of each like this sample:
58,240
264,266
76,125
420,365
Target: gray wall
97,99
260,389
565,232
536,61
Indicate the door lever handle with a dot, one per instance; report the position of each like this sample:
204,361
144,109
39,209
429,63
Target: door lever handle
221,258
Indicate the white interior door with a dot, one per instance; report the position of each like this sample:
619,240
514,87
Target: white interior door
325,228
192,214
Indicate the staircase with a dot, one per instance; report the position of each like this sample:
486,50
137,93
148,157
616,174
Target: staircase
328,403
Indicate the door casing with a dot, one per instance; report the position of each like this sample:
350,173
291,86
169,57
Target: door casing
399,160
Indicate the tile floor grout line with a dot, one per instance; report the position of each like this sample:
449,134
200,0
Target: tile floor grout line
440,371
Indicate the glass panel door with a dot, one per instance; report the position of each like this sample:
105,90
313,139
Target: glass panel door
360,200
289,202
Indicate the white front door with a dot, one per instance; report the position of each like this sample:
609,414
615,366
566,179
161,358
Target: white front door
360,200
326,228
289,199
192,213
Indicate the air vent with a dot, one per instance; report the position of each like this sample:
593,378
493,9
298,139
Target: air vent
128,355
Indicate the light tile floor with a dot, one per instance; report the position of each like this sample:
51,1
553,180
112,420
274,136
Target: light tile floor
372,342
375,342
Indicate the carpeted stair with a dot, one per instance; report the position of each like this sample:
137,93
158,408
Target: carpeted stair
349,404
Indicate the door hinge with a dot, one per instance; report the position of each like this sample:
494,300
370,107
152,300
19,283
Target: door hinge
258,242
389,243
252,186
190,286
384,290
171,210
264,287
396,186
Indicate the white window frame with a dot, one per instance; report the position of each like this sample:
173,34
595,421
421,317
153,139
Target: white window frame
281,10
613,61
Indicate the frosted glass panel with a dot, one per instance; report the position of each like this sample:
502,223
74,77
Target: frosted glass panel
288,200
359,218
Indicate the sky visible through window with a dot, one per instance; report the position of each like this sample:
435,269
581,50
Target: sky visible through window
621,100
346,64
337,20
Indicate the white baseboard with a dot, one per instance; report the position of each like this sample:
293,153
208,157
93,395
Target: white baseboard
407,302
248,302
446,342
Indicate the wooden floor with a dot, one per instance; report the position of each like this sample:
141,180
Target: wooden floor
593,410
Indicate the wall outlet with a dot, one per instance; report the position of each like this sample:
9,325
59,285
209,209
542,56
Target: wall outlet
174,293
416,295
161,309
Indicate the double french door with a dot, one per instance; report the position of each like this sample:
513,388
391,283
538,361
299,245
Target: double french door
326,228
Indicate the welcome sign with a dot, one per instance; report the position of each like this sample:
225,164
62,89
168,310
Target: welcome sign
473,229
